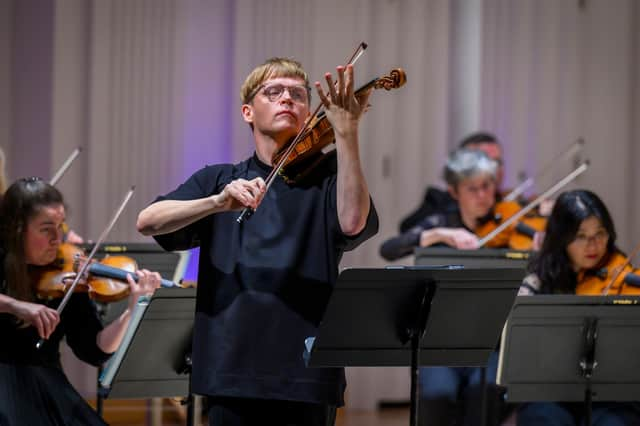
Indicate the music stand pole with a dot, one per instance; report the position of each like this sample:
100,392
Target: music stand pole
415,333
102,314
588,363
189,400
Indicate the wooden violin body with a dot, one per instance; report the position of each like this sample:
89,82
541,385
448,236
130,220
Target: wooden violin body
525,230
52,280
519,235
617,268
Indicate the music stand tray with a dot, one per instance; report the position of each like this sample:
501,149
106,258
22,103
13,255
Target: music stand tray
480,258
401,316
551,343
153,359
370,310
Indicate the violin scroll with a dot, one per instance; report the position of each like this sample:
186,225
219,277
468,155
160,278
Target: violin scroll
395,79
307,152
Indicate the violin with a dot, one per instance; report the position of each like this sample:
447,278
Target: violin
106,280
67,292
501,211
311,139
308,151
509,212
517,236
525,231
615,276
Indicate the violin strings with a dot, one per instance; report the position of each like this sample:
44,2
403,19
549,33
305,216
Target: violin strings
615,276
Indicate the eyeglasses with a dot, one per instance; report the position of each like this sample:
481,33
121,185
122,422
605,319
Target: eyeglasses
298,93
599,237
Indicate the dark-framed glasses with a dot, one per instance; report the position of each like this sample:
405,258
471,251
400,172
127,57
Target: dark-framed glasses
599,237
298,93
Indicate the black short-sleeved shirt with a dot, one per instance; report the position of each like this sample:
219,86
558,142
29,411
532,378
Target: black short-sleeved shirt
263,285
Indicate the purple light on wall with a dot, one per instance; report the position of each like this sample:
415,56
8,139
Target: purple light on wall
32,89
209,98
208,69
191,273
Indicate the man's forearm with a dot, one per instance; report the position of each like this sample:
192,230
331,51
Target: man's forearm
352,191
168,216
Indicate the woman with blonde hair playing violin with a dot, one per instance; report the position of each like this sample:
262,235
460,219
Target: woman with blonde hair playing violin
578,256
33,387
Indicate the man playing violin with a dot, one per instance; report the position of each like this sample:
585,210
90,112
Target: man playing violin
263,284
33,388
578,256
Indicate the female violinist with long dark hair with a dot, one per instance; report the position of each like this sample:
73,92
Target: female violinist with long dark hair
580,244
33,387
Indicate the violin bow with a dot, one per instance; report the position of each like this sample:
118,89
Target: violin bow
65,166
248,211
615,276
527,183
85,265
526,209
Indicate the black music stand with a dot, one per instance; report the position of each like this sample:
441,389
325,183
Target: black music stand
400,316
572,348
170,265
480,258
154,359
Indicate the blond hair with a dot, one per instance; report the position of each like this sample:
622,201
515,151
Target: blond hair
272,68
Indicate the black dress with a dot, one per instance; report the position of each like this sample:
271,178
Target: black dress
33,388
